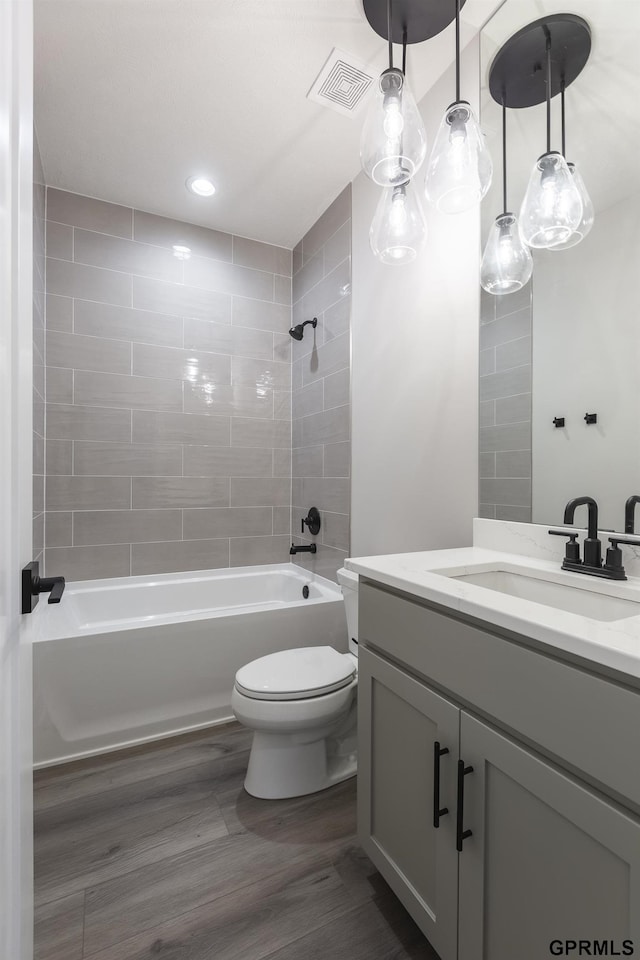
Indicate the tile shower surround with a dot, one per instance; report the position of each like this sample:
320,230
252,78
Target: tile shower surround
321,385
505,406
168,389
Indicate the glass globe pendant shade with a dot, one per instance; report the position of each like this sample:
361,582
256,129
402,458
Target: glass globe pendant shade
460,168
588,213
393,142
507,263
552,207
398,230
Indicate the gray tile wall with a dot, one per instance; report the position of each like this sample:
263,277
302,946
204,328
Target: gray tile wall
168,394
505,405
38,353
321,409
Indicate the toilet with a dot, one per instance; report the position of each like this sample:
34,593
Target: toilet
301,705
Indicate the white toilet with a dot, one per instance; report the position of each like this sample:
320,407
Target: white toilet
301,705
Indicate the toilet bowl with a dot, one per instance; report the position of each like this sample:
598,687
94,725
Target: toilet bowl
301,705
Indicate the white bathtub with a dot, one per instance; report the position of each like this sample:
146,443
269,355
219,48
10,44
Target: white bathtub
123,661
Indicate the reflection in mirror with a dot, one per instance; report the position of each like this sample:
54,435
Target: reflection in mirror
567,344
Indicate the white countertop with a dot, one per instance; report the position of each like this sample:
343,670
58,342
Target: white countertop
612,644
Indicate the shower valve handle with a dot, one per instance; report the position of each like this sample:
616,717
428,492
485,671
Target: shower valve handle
33,585
312,521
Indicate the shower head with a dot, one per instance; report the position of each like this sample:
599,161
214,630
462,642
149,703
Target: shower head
297,332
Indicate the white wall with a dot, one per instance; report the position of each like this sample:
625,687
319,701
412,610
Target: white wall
415,370
586,357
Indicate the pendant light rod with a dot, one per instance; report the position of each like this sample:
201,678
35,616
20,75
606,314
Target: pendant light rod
504,154
564,139
457,51
404,52
389,34
548,50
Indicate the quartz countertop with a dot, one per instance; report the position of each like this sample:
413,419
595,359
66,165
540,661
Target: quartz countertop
613,644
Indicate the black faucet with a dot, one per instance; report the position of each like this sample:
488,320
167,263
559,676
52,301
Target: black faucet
592,546
592,563
629,510
305,548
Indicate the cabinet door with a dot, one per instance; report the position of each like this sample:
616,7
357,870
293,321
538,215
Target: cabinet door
547,859
399,721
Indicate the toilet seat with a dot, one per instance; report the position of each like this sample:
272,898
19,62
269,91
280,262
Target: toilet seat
298,674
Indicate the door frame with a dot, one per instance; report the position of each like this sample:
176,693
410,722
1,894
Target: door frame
16,425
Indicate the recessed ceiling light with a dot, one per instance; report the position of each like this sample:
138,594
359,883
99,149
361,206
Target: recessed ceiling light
182,253
201,186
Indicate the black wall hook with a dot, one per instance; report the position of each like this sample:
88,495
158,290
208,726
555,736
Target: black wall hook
590,418
558,422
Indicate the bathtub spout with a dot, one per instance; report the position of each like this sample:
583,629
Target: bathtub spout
311,548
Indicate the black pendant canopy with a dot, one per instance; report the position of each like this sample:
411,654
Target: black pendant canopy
412,21
518,74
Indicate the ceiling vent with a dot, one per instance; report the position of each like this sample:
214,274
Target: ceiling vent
342,84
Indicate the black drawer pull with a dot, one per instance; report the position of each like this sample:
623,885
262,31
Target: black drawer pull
438,811
461,833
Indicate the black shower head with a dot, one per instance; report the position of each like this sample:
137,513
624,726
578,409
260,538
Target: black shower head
297,332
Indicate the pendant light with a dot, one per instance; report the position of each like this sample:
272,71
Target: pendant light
398,230
552,207
588,213
507,263
460,169
393,142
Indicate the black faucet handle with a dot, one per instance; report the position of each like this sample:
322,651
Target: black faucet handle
54,586
614,556
312,521
572,550
614,541
33,585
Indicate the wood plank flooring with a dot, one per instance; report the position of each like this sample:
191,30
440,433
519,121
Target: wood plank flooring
159,853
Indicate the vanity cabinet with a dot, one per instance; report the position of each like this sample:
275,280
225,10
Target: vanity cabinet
402,724
547,859
544,856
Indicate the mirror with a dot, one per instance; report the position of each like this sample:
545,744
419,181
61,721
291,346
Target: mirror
568,344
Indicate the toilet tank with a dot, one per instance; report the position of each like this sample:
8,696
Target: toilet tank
349,584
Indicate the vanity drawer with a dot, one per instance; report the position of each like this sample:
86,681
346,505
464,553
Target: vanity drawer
582,720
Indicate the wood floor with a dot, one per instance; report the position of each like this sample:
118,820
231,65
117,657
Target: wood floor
159,853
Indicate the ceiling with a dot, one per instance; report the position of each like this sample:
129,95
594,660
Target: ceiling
602,119
134,96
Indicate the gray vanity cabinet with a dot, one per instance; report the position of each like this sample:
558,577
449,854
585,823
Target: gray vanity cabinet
547,857
405,719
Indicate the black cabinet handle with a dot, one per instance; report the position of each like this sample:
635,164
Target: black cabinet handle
461,833
438,811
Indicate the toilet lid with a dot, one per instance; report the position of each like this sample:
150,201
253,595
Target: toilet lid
295,674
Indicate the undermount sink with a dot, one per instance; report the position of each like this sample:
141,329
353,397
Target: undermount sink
562,596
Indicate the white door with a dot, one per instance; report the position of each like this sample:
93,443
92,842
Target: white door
16,163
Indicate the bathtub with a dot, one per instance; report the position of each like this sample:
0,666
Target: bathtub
124,661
